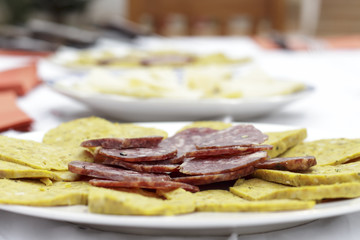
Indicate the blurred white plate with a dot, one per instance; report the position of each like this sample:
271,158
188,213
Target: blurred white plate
161,109
206,223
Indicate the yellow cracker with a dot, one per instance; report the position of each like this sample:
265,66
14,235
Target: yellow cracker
74,132
35,193
129,130
218,125
141,191
66,175
282,141
218,58
257,189
328,151
225,201
175,194
46,181
109,201
315,176
39,155
14,170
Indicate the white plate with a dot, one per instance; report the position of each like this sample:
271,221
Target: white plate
195,223
156,109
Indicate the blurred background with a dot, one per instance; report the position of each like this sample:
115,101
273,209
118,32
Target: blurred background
50,41
31,24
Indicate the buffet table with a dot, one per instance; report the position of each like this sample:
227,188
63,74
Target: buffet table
331,110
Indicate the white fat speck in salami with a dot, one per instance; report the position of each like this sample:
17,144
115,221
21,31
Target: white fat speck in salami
220,164
164,185
123,143
140,154
293,164
113,173
213,178
239,135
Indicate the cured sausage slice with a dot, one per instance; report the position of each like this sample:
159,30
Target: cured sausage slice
185,140
113,173
147,167
167,60
177,159
123,143
164,185
213,178
140,154
290,163
221,164
239,135
154,166
227,151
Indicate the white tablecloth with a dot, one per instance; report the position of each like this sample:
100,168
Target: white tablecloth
332,110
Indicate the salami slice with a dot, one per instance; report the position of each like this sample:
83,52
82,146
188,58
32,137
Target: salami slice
177,159
154,166
294,164
185,140
140,154
164,185
221,164
239,135
227,151
213,178
166,60
113,173
123,143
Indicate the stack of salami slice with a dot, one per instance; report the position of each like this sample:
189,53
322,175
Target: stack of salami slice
192,157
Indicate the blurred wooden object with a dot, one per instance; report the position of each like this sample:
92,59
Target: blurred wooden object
339,18
309,16
191,14
330,17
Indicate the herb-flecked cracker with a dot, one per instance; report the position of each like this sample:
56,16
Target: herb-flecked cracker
225,201
282,141
327,151
108,201
35,193
39,155
15,171
257,189
74,132
217,125
316,175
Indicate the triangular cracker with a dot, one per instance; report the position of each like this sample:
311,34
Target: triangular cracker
257,189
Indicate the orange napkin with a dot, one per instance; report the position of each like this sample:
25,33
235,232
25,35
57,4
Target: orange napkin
11,116
21,79
23,53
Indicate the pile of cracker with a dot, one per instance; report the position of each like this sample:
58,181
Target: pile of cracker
36,174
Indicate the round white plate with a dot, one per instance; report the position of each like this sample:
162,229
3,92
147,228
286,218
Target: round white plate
196,223
159,109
